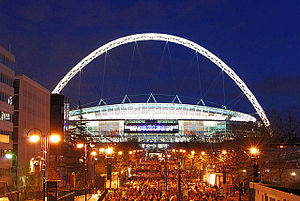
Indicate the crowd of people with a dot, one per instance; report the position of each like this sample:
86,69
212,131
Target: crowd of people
150,181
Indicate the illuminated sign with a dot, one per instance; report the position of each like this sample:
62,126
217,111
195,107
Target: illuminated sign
151,128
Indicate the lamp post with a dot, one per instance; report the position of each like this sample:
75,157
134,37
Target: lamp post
181,153
85,161
254,152
45,138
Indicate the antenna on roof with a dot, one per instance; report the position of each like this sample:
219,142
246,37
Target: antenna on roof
124,99
102,101
201,101
178,99
151,95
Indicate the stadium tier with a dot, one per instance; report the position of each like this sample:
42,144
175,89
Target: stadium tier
157,125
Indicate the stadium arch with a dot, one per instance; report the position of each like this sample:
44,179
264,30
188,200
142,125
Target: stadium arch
167,38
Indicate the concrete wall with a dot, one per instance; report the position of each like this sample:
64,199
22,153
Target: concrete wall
262,192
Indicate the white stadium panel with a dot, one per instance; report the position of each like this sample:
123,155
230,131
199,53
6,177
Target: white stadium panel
167,111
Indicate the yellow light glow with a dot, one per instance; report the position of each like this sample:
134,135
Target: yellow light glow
184,151
120,153
180,150
109,150
80,145
224,152
293,173
54,138
254,150
212,179
34,138
92,145
203,153
173,150
244,170
130,152
193,153
102,150
93,153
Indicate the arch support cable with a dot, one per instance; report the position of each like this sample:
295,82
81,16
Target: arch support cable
169,38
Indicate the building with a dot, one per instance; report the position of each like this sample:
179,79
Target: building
158,125
262,192
31,116
58,111
7,74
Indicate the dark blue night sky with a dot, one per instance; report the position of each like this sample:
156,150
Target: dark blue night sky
259,40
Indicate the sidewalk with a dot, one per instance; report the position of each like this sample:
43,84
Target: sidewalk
236,198
93,197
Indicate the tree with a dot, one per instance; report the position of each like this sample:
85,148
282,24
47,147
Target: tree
78,129
283,145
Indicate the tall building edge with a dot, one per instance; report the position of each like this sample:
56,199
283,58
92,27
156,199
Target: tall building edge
7,61
31,116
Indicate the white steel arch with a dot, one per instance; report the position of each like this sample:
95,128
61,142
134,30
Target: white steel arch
168,38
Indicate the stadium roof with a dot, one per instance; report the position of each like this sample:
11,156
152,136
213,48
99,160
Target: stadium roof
160,111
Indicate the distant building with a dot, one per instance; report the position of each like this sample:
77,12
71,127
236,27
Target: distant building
7,73
31,115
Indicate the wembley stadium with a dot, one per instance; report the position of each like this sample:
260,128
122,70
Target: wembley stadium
161,124
158,125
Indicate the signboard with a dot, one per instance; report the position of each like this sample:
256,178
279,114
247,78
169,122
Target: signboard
151,128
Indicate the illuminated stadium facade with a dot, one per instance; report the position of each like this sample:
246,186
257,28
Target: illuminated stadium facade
164,123
161,124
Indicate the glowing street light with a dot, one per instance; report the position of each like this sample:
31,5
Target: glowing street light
80,145
93,153
34,138
130,152
45,139
203,153
224,152
254,150
54,138
109,150
293,173
193,153
120,153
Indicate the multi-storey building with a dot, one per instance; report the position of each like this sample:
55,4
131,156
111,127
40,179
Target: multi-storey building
7,73
31,115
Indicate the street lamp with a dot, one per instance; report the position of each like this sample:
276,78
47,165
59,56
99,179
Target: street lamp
85,161
45,138
254,152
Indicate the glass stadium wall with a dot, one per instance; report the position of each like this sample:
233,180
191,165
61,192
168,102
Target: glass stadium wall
188,131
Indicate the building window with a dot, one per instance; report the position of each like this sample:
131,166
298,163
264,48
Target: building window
6,61
6,80
5,116
6,98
